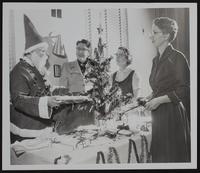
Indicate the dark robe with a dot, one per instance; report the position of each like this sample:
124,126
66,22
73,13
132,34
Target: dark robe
170,76
27,86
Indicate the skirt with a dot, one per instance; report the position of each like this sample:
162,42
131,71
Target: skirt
170,134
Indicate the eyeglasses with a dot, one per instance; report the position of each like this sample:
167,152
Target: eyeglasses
119,54
155,32
82,49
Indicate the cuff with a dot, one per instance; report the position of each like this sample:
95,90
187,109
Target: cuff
22,132
173,97
14,129
44,111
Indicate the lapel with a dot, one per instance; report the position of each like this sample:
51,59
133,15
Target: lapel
157,62
166,54
75,68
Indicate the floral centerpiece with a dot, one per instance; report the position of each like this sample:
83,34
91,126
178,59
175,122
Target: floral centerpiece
105,97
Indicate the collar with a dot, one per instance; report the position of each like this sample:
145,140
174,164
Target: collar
166,52
27,60
82,63
169,49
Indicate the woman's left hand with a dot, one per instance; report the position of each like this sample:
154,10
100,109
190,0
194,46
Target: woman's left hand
152,104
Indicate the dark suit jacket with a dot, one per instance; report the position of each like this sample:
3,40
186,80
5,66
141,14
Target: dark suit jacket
72,77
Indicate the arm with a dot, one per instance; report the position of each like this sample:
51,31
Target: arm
29,133
182,72
136,85
181,91
30,105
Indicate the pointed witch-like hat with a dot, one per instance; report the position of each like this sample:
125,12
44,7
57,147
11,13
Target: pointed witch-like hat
33,39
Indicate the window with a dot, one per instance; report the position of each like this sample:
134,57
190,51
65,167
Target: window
59,13
53,12
56,13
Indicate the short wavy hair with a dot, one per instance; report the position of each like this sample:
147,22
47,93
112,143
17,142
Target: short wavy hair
167,26
127,54
83,41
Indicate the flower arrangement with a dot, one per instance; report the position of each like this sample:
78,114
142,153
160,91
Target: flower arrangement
105,98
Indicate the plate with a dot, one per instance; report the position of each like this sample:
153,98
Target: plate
125,132
72,99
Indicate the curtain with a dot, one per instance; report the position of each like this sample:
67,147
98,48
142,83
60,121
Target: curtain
115,29
181,15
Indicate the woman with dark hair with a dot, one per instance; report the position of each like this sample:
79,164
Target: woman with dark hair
126,78
170,99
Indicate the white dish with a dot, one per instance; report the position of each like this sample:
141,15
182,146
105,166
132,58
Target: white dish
72,99
125,132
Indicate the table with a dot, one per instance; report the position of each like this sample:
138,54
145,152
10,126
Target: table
88,154
80,155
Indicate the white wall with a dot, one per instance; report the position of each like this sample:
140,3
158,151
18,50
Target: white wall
140,46
67,26
71,27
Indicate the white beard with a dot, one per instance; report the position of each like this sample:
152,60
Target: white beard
41,68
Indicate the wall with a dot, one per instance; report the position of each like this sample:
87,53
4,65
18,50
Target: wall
181,15
140,21
141,48
79,23
74,25
46,24
114,24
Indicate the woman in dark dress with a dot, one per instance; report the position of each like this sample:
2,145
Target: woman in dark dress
170,99
126,78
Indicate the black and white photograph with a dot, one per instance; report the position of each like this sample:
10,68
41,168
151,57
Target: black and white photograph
99,86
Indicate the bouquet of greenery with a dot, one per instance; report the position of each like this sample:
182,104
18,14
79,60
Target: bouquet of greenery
105,98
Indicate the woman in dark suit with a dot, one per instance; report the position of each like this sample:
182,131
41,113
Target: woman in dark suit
170,99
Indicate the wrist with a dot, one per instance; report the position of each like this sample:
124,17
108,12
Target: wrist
159,100
163,99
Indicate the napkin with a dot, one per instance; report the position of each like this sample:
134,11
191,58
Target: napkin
28,145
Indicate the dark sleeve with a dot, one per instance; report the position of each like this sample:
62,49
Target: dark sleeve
19,93
182,73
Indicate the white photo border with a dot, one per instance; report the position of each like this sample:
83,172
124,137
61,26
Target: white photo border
193,76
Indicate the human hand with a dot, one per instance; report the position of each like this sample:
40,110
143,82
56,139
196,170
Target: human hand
52,101
152,104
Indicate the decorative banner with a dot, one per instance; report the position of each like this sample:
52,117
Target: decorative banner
132,143
58,48
100,155
144,150
113,153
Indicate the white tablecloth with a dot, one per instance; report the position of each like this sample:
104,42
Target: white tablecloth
81,155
